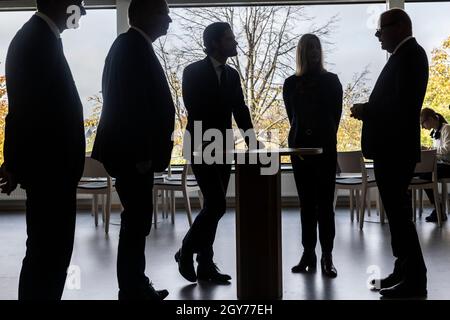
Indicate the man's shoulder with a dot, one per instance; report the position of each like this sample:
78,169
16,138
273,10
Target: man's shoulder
197,64
196,67
290,81
412,49
129,47
127,40
33,32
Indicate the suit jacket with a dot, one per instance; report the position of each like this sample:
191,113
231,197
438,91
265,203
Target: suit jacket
138,114
314,107
212,103
44,133
394,106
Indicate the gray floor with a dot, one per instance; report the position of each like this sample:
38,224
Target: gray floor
357,256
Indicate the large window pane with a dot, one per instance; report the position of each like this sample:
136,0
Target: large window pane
432,30
267,39
10,22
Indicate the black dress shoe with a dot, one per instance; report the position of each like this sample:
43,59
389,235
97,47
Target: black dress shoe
405,289
433,217
308,262
186,265
390,281
328,269
210,272
148,294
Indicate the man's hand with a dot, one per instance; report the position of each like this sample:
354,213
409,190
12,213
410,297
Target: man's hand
8,182
357,111
144,167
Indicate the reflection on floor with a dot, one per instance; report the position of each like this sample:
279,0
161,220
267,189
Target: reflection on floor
357,255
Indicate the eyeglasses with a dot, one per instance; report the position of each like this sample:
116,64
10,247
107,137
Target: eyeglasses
380,30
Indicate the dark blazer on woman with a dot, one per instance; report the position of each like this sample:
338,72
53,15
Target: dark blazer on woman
314,107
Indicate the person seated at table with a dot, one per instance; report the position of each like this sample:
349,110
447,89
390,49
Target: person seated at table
440,132
313,100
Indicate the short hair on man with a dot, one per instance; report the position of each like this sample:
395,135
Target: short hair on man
137,6
400,16
213,33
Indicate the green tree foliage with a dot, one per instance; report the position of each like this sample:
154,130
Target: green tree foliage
438,92
3,112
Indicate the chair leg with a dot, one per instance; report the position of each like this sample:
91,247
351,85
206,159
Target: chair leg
414,203
358,204
444,197
437,201
420,202
172,206
352,205
96,209
155,207
103,207
369,203
335,198
107,214
447,201
378,204
200,199
382,211
163,203
187,203
362,207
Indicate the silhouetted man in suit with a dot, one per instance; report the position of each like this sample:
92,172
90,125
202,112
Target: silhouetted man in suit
395,103
134,136
212,94
44,146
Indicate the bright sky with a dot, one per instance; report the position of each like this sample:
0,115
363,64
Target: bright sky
354,43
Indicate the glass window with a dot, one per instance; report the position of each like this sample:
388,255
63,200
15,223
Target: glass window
267,37
10,23
434,35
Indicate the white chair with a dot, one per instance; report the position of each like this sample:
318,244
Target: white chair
96,181
352,176
427,165
171,183
445,198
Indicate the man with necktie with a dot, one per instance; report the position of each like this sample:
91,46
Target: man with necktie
212,94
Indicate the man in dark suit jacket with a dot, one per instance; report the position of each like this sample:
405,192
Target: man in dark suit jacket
134,136
212,94
44,146
395,105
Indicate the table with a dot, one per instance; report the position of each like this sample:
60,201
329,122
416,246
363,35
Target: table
258,226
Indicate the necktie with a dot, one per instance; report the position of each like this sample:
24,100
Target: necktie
223,75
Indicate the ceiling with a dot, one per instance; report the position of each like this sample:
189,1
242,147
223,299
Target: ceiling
28,4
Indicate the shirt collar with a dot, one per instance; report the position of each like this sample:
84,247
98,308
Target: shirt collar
402,43
216,64
146,37
50,23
